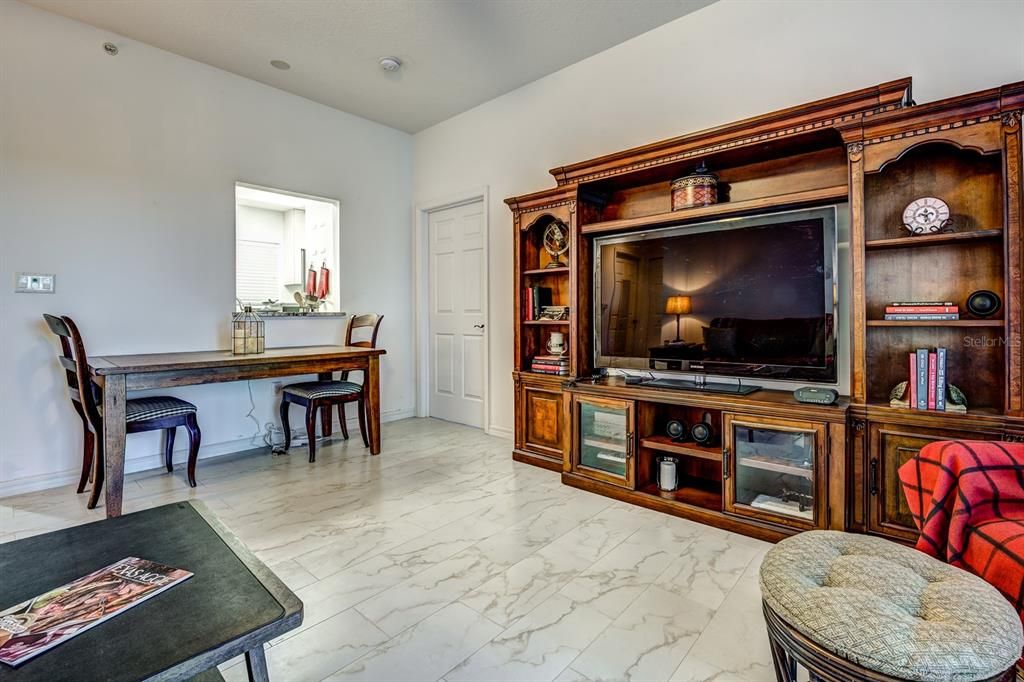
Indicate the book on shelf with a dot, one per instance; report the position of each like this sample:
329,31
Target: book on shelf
901,304
553,368
537,298
932,376
43,622
557,372
922,317
922,378
912,383
561,359
927,380
921,309
940,380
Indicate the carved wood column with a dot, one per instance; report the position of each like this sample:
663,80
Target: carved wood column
1012,154
858,390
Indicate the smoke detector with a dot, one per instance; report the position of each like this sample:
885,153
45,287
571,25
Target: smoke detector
390,63
280,64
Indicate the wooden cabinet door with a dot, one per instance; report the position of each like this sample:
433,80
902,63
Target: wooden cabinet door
542,421
891,446
774,469
604,440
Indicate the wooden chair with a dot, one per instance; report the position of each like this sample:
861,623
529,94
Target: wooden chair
141,414
322,395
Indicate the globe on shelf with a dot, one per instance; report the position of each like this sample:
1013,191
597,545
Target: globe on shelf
556,242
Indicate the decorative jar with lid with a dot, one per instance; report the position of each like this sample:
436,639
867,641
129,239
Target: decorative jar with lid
699,188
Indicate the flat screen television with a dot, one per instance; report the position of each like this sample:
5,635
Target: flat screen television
741,297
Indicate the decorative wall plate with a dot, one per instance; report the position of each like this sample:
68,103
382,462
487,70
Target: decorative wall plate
926,215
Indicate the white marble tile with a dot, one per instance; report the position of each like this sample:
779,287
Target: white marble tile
292,574
692,669
425,651
538,646
321,650
348,545
648,641
345,589
572,675
617,579
707,569
523,586
735,640
427,592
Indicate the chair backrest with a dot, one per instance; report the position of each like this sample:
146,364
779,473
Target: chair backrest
75,363
369,321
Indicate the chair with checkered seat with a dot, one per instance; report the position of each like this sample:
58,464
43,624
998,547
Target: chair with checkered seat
322,395
141,414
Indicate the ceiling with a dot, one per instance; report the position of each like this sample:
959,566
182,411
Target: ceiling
455,53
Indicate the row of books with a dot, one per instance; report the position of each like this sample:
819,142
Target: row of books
927,382
922,310
537,298
550,364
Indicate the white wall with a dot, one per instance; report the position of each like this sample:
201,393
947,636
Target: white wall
118,174
728,61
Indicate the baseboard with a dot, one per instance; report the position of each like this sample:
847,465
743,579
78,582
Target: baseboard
499,431
31,484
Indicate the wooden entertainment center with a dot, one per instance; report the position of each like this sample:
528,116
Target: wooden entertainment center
872,151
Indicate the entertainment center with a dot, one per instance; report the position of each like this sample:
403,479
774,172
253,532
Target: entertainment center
631,286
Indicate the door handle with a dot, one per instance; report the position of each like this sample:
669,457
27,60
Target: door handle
874,476
478,326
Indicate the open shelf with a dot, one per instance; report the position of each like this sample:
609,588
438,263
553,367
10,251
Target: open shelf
933,239
547,271
546,322
666,444
935,323
971,411
834,193
706,496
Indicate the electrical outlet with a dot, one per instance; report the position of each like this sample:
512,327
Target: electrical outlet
33,283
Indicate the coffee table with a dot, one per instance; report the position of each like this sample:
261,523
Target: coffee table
233,604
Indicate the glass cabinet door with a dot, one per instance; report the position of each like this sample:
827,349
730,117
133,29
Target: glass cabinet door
774,466
604,437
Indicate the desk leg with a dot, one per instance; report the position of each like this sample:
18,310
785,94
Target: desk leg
114,396
326,419
373,402
256,664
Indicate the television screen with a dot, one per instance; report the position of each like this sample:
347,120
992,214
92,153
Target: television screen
739,297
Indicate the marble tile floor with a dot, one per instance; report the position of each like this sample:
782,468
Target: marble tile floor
444,560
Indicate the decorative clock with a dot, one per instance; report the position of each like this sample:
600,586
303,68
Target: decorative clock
926,215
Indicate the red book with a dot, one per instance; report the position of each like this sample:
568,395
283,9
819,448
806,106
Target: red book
920,309
913,381
932,376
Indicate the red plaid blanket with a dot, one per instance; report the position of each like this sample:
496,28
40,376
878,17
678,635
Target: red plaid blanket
967,498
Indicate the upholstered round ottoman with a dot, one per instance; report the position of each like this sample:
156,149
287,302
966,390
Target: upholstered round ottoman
854,607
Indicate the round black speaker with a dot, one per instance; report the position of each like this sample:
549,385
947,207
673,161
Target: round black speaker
703,432
984,303
676,430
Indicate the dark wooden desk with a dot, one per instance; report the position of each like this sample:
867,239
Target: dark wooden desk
232,605
118,374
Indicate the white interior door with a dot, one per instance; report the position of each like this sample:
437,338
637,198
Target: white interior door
458,300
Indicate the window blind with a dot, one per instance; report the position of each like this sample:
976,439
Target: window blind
257,271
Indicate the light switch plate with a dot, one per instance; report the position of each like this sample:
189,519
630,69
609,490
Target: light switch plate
34,283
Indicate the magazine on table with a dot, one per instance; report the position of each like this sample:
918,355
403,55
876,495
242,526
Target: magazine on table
43,622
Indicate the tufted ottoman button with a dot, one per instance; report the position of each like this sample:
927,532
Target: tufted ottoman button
855,607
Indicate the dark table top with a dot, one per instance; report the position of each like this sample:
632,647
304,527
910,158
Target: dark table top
211,359
232,603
